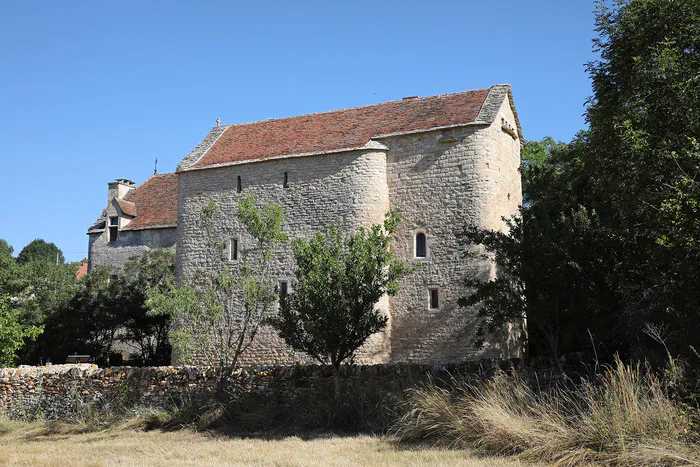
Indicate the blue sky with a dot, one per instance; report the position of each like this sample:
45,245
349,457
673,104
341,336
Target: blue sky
93,91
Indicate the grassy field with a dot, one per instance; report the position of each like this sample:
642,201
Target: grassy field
46,444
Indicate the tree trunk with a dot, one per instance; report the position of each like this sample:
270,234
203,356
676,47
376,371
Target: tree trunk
221,384
336,377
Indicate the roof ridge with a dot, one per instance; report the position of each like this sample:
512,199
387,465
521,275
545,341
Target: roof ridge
268,120
331,130
136,187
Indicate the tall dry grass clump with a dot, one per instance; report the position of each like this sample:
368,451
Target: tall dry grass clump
622,418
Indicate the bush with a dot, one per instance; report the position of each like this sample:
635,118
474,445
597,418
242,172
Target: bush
624,417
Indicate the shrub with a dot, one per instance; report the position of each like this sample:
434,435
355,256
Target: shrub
623,417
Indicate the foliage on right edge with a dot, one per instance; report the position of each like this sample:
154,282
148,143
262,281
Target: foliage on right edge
608,238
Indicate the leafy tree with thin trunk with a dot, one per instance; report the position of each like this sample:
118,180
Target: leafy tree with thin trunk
339,280
217,313
13,333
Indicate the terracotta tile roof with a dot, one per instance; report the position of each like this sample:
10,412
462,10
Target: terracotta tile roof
127,207
81,271
155,202
340,129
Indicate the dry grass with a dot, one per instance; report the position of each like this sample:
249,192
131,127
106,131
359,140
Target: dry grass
623,419
60,444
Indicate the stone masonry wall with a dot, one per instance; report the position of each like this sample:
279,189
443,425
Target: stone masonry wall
440,182
348,188
64,391
129,243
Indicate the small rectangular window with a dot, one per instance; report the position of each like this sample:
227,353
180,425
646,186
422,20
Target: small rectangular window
285,184
233,249
239,186
434,299
113,229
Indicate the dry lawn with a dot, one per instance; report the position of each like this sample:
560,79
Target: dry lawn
45,444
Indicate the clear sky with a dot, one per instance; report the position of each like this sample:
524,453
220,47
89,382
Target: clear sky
93,91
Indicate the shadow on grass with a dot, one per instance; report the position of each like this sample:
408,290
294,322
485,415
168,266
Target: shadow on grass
311,415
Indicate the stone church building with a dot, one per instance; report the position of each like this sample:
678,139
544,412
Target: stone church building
443,162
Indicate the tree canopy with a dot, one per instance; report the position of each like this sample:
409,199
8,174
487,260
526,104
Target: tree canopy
103,312
40,251
608,238
13,333
332,309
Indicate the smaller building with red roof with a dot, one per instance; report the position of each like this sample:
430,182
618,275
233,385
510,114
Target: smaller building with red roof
136,219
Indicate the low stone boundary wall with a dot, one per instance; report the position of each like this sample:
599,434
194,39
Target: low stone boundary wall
59,391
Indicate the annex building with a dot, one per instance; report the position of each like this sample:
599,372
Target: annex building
443,162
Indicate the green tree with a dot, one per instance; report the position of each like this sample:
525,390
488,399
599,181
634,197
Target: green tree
339,280
643,161
609,234
38,286
13,334
552,275
5,250
143,331
87,323
7,266
103,312
40,250
535,157
218,312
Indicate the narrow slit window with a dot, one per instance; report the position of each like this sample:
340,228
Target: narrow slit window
421,248
239,186
113,230
285,183
233,249
434,299
284,289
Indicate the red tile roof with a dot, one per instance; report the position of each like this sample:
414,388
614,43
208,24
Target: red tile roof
341,129
127,207
81,271
155,202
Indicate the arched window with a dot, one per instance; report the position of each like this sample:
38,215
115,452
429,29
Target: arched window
421,248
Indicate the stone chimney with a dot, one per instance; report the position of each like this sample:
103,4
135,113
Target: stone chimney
118,189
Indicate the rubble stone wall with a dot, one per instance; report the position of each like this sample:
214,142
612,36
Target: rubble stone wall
61,392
